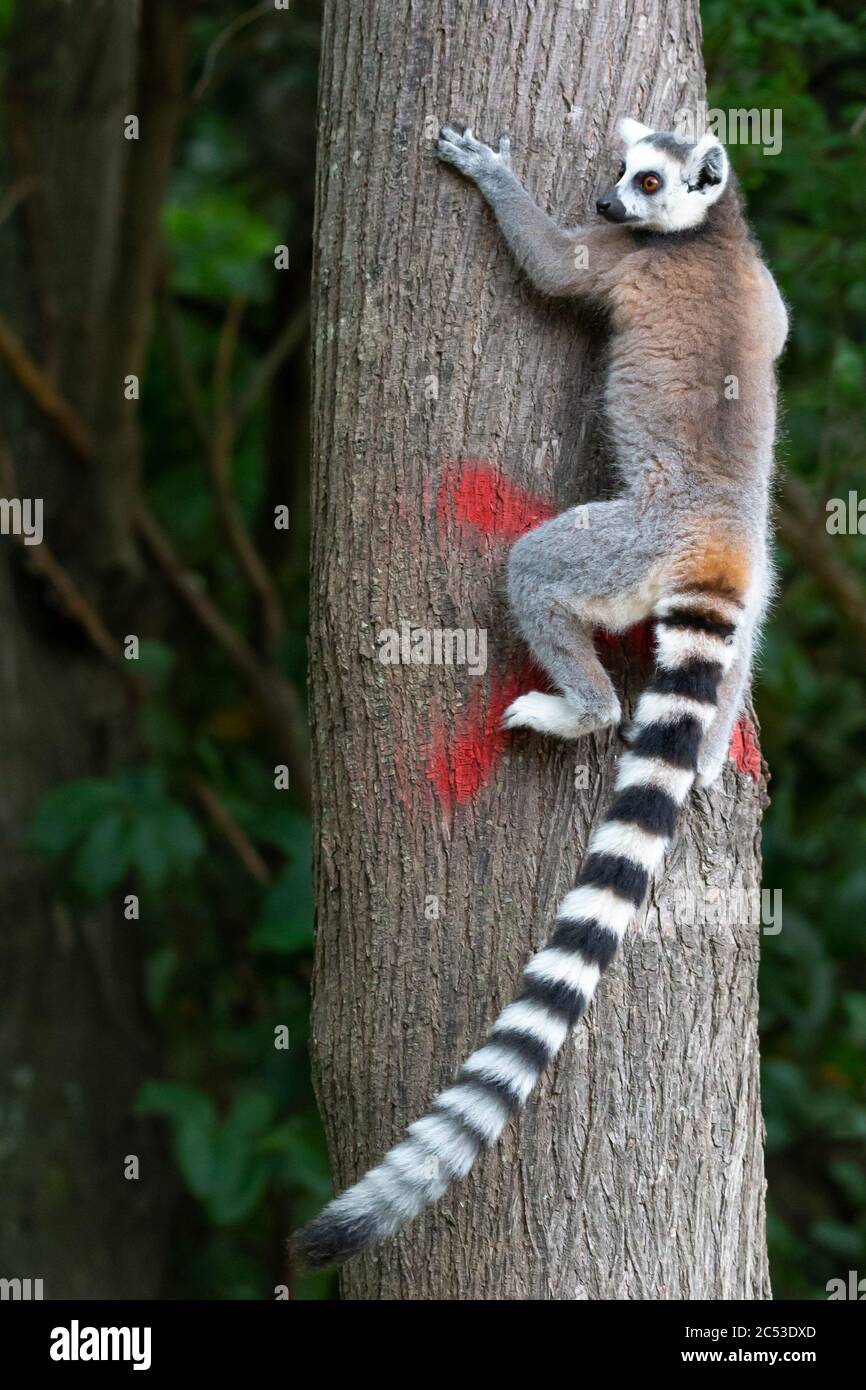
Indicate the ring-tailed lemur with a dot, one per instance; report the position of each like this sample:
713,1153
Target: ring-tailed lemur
696,324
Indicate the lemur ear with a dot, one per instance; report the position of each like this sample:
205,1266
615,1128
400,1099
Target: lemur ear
707,165
632,131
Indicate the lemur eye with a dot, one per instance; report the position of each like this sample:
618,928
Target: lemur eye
650,183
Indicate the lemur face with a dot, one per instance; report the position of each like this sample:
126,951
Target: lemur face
665,184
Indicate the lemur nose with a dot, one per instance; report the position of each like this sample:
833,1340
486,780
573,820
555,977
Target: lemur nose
602,204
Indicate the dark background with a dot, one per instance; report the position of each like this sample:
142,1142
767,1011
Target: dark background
186,814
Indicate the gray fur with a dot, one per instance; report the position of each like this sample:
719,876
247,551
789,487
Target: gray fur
696,324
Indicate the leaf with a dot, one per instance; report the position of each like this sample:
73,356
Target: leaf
219,246
197,1156
165,843
162,732
183,833
855,1008
65,811
240,1172
159,974
238,1193
283,828
104,857
155,662
299,1144
839,1239
286,924
175,1100
195,1129
251,1114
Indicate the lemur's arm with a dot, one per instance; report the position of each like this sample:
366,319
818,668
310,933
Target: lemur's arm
574,262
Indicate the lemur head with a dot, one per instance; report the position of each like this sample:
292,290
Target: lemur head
665,184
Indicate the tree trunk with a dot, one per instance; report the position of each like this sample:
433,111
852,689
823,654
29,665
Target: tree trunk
447,398
76,289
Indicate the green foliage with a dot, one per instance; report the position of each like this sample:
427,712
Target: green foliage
100,830
219,247
229,1162
226,955
285,926
808,205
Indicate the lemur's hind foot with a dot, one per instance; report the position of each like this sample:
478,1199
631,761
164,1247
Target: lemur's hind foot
558,717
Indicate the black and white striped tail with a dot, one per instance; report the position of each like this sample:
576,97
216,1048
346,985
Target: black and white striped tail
695,636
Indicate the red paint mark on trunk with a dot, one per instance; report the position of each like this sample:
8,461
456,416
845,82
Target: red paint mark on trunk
459,768
639,640
474,496
744,748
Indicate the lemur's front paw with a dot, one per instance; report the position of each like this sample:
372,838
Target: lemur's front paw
471,156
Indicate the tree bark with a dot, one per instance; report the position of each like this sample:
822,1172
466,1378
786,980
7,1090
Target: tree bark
636,1172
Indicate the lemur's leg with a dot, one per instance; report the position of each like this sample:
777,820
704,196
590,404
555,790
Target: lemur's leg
717,739
591,566
563,645
558,262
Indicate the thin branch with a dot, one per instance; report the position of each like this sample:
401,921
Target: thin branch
278,697
227,344
223,37
241,543
263,374
38,237
81,611
75,603
219,443
234,834
159,104
189,388
40,387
